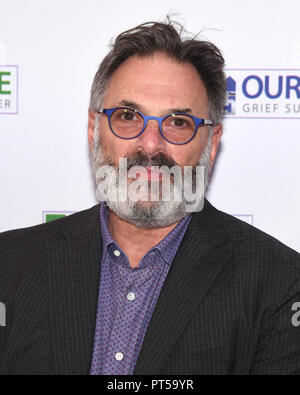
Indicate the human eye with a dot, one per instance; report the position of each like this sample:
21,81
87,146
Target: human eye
179,122
126,115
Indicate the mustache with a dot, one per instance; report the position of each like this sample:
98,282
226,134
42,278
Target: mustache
141,159
160,159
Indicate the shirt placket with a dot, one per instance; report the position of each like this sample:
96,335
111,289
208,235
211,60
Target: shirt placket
134,285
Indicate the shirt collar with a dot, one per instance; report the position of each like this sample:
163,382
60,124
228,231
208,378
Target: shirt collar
167,247
106,235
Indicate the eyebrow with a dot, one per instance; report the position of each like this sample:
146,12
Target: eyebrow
136,106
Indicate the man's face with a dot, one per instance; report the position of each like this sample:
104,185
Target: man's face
156,85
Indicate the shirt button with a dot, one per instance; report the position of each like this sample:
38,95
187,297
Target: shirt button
131,296
119,356
117,253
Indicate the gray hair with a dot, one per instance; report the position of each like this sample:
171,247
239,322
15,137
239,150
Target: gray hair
151,37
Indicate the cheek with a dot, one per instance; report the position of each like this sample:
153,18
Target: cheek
113,146
106,137
198,146
186,155
190,153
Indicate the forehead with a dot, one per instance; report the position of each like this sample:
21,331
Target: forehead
157,82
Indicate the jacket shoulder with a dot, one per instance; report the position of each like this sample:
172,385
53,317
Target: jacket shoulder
72,224
23,249
246,236
259,258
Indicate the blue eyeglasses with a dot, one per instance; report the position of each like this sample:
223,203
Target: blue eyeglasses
176,128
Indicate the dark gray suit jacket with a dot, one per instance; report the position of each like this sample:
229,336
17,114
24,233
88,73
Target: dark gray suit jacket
225,307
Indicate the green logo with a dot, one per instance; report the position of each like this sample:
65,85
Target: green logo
49,216
53,217
4,82
8,89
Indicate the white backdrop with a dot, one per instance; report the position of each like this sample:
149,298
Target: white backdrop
57,47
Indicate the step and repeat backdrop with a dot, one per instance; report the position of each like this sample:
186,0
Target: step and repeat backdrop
49,53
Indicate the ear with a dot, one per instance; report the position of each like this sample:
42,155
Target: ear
217,134
91,128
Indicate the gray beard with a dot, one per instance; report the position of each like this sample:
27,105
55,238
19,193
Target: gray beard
149,214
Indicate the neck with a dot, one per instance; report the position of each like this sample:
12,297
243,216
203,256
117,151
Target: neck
134,241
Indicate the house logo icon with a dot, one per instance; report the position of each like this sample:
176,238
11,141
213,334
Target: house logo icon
229,108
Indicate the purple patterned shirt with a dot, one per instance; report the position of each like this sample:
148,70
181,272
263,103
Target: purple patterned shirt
127,298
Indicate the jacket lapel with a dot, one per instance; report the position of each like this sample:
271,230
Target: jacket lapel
202,254
74,268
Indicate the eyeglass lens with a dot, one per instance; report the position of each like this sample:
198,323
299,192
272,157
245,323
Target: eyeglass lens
177,128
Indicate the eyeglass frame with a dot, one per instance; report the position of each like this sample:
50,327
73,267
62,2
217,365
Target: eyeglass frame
198,121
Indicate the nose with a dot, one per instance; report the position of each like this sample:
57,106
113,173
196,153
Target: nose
151,140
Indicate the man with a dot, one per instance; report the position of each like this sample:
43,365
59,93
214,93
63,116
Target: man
137,285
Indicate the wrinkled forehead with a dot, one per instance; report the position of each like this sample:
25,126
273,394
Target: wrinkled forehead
157,82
